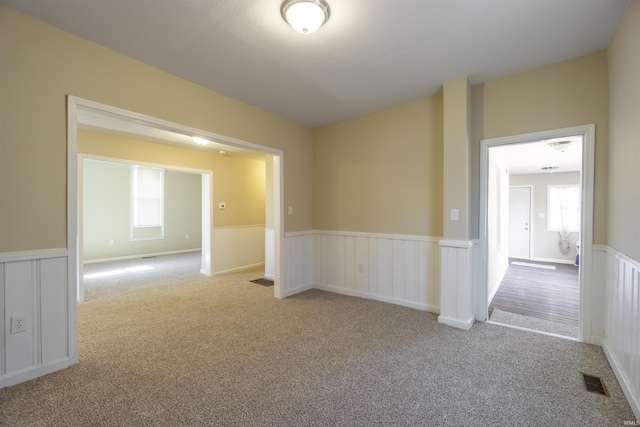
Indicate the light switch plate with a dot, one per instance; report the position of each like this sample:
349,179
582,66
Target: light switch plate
455,214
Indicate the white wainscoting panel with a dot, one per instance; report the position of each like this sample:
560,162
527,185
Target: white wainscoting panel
237,248
622,323
456,283
269,253
399,269
298,262
35,285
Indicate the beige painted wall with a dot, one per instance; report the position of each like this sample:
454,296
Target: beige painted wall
545,243
457,119
381,173
41,65
238,182
561,95
623,225
107,212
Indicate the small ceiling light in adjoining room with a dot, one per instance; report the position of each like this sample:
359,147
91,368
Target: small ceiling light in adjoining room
200,141
561,145
305,16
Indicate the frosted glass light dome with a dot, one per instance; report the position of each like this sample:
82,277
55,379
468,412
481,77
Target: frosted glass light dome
305,16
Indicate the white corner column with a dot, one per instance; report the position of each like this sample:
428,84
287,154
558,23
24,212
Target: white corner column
456,257
456,293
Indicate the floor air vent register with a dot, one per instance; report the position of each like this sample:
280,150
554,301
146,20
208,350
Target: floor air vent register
263,282
594,384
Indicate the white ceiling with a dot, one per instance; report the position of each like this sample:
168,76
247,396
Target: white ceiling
531,157
371,54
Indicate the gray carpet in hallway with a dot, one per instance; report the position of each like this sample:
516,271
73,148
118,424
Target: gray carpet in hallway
222,351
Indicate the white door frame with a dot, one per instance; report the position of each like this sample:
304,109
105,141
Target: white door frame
73,209
586,226
530,187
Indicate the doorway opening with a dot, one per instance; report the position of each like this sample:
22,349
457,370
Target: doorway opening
536,231
113,251
183,138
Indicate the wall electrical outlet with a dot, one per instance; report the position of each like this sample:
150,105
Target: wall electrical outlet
110,242
186,236
18,324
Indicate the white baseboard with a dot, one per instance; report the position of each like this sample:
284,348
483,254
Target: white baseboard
634,401
456,323
493,293
123,258
238,269
360,294
553,261
269,276
32,373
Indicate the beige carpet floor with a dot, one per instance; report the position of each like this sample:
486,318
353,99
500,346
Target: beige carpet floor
191,350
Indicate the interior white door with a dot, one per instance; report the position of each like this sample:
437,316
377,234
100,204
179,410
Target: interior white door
519,222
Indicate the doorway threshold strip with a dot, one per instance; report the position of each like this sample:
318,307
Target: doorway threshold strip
528,264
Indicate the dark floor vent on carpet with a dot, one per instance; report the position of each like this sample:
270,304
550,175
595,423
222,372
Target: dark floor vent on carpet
263,282
594,384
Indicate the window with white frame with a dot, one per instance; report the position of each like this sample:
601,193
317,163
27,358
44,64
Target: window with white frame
563,208
147,203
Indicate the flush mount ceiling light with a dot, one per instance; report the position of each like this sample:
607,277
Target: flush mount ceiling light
200,141
561,145
305,16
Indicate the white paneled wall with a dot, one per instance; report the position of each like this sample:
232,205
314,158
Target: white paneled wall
399,269
622,323
456,283
298,262
35,285
269,253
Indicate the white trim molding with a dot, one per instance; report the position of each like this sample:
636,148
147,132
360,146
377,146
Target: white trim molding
587,297
126,257
410,237
456,283
298,233
552,260
398,269
33,255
